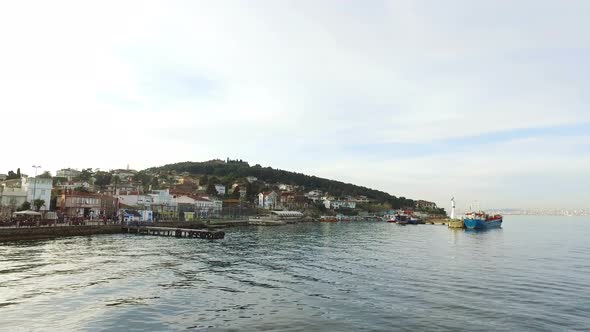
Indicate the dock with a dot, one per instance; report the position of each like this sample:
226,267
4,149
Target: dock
456,223
451,223
437,221
176,232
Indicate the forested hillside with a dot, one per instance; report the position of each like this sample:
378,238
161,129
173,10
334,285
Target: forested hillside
232,170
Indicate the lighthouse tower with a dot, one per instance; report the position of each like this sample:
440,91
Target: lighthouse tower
453,208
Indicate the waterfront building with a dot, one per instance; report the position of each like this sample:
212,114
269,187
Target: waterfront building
287,198
12,196
79,204
268,200
26,189
38,188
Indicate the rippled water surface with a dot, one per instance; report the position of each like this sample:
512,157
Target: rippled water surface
534,274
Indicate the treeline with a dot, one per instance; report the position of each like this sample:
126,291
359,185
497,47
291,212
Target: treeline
233,169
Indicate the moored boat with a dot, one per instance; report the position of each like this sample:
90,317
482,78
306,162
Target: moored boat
482,220
402,219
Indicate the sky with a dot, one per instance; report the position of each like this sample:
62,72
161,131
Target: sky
480,100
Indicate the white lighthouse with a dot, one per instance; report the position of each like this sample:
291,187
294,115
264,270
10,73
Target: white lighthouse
453,208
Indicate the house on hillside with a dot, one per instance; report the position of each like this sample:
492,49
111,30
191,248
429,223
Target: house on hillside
125,174
135,200
286,187
421,204
68,173
251,179
268,200
336,204
314,195
220,189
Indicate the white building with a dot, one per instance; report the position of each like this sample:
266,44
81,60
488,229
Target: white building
136,200
337,204
286,187
268,200
184,200
314,195
13,193
38,188
12,197
251,179
220,189
162,197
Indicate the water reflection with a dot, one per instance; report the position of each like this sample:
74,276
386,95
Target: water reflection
342,276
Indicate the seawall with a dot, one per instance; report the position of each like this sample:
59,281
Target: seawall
34,233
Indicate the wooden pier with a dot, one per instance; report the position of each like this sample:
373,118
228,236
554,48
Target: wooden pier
176,232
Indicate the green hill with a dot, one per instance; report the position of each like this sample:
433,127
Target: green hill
232,170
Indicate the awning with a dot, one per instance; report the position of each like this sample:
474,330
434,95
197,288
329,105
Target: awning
27,213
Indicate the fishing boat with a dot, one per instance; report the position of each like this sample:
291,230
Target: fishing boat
482,220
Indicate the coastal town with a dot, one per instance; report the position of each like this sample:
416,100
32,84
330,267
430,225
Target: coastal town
77,196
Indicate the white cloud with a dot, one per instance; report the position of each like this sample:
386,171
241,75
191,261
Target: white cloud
289,84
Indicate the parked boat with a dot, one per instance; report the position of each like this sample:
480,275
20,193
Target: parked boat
402,219
328,219
414,221
482,220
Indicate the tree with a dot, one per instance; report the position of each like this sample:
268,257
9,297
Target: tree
85,175
155,183
25,206
250,192
142,177
115,181
102,179
81,189
12,175
236,193
18,173
211,189
57,180
38,203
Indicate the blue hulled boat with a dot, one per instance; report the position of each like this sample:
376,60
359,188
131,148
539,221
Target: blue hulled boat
481,220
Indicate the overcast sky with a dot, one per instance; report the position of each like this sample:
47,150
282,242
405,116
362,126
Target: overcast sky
481,100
